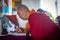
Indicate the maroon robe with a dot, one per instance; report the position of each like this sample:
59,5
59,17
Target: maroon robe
43,28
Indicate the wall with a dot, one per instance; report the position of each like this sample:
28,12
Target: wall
31,4
58,7
49,5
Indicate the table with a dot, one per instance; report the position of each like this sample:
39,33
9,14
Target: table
13,36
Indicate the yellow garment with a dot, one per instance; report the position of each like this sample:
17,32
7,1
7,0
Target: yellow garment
13,4
17,0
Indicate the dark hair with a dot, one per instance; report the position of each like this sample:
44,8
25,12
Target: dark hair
40,10
58,19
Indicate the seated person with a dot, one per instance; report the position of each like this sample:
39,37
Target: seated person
58,20
23,13
40,10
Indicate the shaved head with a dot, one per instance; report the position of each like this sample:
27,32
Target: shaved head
23,12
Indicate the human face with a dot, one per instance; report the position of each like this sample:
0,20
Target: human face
23,13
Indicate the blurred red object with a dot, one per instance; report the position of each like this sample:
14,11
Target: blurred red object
6,2
13,19
43,28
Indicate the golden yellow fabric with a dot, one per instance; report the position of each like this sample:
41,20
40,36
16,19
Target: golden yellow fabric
13,4
17,0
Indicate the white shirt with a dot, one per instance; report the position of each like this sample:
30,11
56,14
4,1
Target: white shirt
22,23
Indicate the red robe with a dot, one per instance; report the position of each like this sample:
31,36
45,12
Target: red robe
43,28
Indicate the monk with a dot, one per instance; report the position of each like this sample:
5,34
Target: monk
24,13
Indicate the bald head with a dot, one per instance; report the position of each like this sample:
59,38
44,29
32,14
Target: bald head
23,12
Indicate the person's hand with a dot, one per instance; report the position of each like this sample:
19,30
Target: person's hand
18,30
